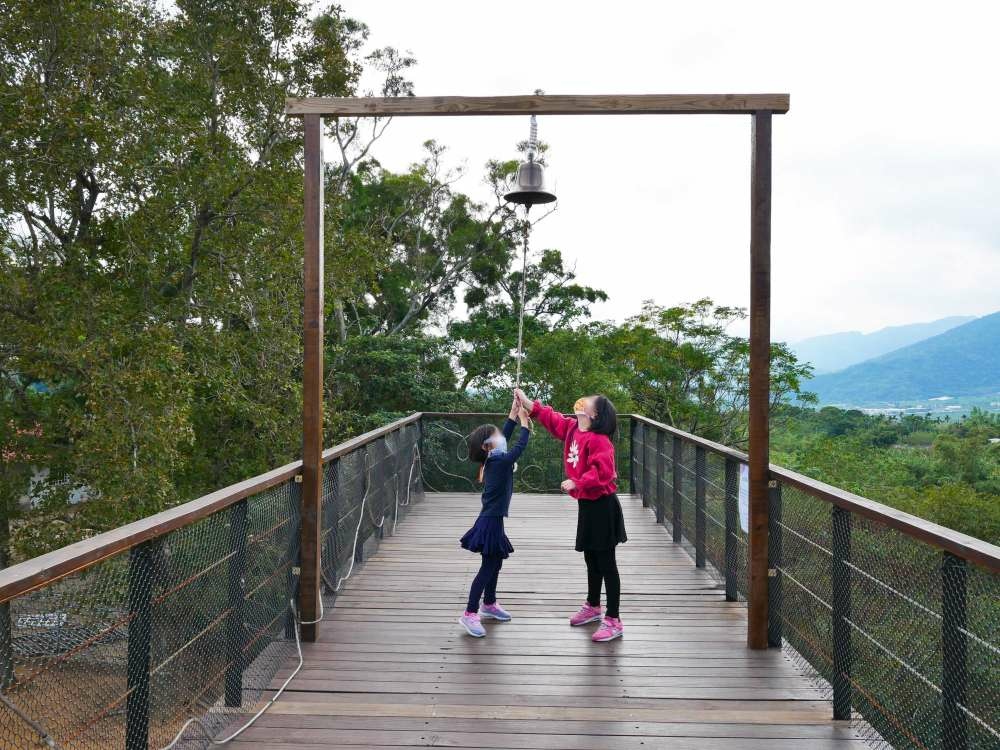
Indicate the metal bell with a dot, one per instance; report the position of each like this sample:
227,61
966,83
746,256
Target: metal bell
529,189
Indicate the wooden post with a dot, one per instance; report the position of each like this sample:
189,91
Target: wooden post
312,379
760,365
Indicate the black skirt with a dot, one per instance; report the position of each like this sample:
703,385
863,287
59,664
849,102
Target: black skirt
600,524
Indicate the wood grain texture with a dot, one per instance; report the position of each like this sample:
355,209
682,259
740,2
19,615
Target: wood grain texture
760,374
392,667
549,104
312,379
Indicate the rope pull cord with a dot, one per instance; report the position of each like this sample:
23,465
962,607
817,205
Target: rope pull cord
533,139
524,276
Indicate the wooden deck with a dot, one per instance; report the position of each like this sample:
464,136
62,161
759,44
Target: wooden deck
393,668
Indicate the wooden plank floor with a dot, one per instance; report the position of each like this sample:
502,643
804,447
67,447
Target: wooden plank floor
394,669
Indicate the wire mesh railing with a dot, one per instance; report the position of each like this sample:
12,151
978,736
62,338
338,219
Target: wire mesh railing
897,619
170,631
447,468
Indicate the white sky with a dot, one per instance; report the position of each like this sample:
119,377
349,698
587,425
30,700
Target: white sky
886,168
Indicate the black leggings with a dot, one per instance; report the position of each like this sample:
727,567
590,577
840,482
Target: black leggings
602,567
484,585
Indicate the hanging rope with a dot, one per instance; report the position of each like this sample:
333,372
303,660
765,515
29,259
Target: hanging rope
520,316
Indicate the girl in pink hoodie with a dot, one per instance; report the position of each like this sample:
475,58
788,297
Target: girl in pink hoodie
589,463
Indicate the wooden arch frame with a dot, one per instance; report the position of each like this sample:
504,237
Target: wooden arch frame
759,107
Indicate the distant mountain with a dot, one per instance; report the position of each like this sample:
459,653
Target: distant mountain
964,361
836,351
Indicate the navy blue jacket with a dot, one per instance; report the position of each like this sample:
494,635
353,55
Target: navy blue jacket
498,473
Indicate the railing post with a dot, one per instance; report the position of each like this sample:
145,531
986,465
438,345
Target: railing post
360,539
774,562
699,506
294,534
732,527
646,468
331,553
841,579
954,670
140,639
661,470
677,456
237,603
632,487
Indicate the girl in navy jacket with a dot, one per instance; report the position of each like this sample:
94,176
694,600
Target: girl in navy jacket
488,445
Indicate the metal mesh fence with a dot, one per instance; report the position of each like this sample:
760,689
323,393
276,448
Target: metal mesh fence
447,468
193,624
365,493
904,638
903,634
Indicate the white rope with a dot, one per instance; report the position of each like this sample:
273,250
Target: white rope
225,740
520,316
298,621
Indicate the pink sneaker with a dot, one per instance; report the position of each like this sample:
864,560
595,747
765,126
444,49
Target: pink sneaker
610,629
470,621
494,611
586,614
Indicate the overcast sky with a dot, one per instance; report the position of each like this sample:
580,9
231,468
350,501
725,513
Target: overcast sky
886,168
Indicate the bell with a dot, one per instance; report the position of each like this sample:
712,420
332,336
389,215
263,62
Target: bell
529,189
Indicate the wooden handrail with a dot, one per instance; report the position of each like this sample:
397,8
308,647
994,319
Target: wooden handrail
974,550
48,568
719,448
39,571
357,442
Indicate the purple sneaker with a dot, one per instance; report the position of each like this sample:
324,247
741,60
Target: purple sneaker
470,621
610,629
494,611
586,614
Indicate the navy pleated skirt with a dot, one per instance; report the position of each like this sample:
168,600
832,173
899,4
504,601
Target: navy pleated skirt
487,537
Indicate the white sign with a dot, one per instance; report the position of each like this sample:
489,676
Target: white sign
42,620
744,497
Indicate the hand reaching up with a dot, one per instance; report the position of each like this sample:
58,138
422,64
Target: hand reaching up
515,408
525,402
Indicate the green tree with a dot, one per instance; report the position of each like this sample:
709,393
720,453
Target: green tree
682,366
150,240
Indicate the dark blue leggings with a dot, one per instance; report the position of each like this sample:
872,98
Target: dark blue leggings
484,585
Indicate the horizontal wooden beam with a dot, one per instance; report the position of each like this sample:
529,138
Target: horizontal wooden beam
610,104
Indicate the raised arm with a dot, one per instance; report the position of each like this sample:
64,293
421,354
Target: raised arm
508,426
600,468
557,424
522,441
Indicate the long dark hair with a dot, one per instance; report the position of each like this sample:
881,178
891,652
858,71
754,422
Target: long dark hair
606,420
476,439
